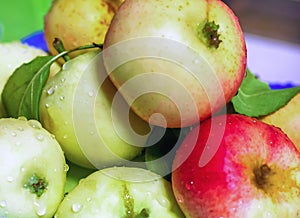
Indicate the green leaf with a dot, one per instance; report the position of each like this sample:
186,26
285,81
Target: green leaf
21,94
255,98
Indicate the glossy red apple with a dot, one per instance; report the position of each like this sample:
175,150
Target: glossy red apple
181,59
254,173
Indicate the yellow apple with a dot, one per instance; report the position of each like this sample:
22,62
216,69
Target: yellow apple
78,22
288,119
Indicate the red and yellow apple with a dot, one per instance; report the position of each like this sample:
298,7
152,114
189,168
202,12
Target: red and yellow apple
255,171
78,22
181,59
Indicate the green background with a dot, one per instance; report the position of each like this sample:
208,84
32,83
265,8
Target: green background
19,18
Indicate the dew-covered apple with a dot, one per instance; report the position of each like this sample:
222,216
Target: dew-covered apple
32,170
94,125
121,192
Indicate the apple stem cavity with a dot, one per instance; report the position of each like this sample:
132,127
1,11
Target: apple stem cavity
129,206
262,175
210,32
36,185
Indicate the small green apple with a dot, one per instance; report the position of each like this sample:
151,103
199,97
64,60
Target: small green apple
78,106
13,55
32,170
121,192
185,59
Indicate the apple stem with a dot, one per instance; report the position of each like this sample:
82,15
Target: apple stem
59,46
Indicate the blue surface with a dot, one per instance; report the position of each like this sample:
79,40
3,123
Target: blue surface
36,39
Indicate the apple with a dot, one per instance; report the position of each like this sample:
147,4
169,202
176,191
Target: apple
254,171
288,119
121,192
32,170
12,55
175,62
78,22
93,124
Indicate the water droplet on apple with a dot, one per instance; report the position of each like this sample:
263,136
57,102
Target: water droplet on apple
47,105
40,137
13,134
40,208
164,202
89,199
63,80
189,185
65,136
35,124
76,207
22,118
20,128
180,200
10,179
91,93
66,167
62,98
3,203
50,91
196,61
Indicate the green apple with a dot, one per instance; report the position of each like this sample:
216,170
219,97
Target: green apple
13,55
92,123
121,192
32,170
288,119
78,22
181,59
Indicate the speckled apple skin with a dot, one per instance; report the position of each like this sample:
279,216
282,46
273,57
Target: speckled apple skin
226,186
179,20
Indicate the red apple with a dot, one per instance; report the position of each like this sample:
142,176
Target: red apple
254,172
181,59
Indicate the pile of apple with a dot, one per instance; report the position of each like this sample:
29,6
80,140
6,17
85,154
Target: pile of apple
138,121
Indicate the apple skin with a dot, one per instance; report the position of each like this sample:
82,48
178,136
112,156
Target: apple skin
28,149
12,55
76,106
78,22
288,119
254,173
120,192
171,22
